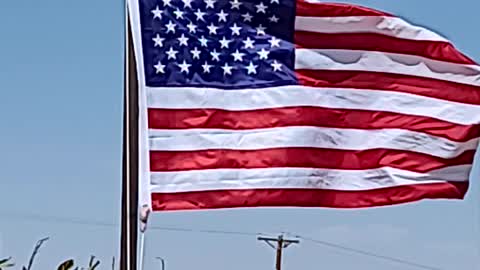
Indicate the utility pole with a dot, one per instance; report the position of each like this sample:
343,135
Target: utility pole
281,243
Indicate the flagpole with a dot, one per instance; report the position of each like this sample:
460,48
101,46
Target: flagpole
129,213
142,251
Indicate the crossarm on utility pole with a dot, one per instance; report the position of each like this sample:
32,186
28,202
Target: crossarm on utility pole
281,243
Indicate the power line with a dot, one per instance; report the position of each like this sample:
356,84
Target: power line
49,219
76,221
203,231
369,254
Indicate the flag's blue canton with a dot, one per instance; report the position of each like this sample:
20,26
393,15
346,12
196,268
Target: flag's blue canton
218,43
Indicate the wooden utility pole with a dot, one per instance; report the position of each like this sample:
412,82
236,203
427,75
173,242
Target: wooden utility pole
281,243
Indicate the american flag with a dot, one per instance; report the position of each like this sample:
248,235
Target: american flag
249,103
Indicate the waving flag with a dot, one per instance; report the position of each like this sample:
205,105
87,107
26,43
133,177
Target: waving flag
249,103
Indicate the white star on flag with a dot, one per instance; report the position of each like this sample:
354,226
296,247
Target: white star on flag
224,43
263,54
203,41
196,53
276,66
178,14
157,13
227,70
215,55
171,53
187,3
261,8
261,30
192,28
274,42
212,29
183,40
210,3
238,56
273,19
251,68
249,43
184,66
235,4
222,16
206,67
158,41
199,14
170,27
235,29
160,68
167,3
247,17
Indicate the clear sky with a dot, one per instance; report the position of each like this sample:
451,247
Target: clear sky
60,155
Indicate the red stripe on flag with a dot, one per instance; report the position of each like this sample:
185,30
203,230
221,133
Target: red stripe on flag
437,50
334,10
306,197
451,91
306,116
301,158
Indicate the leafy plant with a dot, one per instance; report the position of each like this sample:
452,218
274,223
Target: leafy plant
34,253
66,265
6,263
69,264
93,264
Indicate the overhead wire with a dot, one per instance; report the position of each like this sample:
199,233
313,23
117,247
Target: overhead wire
85,222
203,231
68,220
369,254
77,221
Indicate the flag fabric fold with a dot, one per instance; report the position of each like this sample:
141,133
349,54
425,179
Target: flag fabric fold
251,103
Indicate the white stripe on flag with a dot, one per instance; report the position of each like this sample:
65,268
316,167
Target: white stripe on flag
296,95
225,179
317,137
390,26
329,59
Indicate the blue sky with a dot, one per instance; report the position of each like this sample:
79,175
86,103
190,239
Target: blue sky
60,140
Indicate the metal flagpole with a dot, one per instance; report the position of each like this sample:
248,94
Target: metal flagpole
129,222
142,250
144,213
